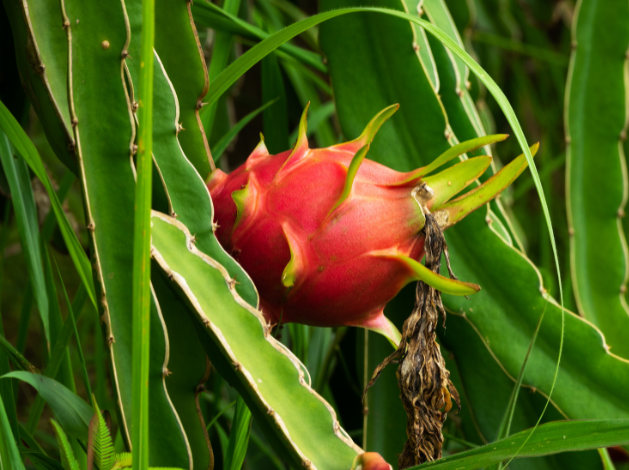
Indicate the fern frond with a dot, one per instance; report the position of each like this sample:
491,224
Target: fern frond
100,444
123,460
67,456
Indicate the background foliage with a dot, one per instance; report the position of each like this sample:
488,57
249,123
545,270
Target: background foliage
563,68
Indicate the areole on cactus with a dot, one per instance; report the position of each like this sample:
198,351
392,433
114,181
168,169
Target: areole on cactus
329,236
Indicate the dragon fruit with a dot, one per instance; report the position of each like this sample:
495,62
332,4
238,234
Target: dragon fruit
329,237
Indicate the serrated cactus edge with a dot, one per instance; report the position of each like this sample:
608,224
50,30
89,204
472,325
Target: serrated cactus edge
235,335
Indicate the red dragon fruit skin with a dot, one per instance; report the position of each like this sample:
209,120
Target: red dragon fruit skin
330,237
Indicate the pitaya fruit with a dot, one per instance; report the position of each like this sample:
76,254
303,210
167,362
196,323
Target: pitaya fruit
329,237
370,461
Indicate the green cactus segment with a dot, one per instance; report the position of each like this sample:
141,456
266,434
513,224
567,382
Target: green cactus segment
98,35
450,182
238,342
419,272
188,195
459,106
102,117
168,443
454,75
178,46
354,165
412,86
188,369
596,115
42,59
464,205
190,202
421,45
370,131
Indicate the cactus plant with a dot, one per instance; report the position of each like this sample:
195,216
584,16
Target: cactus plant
81,66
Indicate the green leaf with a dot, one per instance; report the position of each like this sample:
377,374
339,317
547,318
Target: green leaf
60,366
222,50
27,150
551,438
142,295
596,116
9,453
15,357
481,376
26,215
42,59
211,16
40,460
100,445
267,376
227,139
239,437
67,456
72,413
275,118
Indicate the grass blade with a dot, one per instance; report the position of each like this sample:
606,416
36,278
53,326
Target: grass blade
6,389
17,175
223,47
213,17
239,437
27,150
72,413
550,438
227,139
142,245
8,449
72,320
